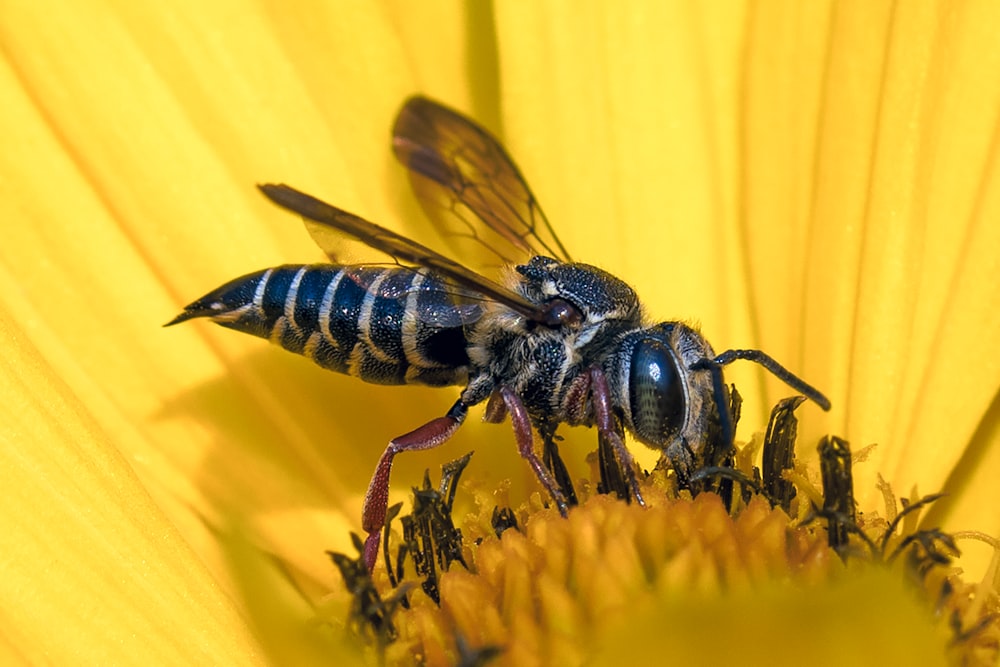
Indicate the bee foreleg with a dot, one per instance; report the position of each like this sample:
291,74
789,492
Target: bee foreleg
428,436
601,398
525,438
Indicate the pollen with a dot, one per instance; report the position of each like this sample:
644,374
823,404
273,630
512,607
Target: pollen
743,575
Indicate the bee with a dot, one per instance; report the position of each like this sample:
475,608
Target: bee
556,342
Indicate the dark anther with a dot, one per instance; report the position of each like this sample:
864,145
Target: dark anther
779,452
503,519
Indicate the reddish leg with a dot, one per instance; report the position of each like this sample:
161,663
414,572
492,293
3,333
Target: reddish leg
526,446
428,436
601,397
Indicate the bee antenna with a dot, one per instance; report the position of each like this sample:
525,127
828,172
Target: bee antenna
776,369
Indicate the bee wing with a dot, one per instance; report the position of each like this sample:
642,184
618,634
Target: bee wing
457,168
469,284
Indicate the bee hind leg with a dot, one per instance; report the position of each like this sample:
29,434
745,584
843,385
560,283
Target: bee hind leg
428,436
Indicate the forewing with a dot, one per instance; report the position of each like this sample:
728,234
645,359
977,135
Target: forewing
468,284
463,175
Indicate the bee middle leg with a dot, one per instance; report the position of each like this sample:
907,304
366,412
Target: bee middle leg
525,438
496,412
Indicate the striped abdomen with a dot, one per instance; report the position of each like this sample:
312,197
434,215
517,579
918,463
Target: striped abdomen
383,325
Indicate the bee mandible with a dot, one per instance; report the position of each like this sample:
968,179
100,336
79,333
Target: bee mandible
555,342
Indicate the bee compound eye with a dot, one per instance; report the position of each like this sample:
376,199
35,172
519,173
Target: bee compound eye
656,391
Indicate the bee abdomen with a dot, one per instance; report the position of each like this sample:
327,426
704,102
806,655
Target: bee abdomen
382,325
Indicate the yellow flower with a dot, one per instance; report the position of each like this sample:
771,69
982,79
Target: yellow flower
815,180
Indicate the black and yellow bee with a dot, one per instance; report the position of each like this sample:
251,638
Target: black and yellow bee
557,342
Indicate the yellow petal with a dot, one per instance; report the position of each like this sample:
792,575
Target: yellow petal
687,148
629,115
93,571
816,180
136,135
906,192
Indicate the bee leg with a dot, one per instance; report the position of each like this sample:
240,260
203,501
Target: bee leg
601,397
525,438
428,436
